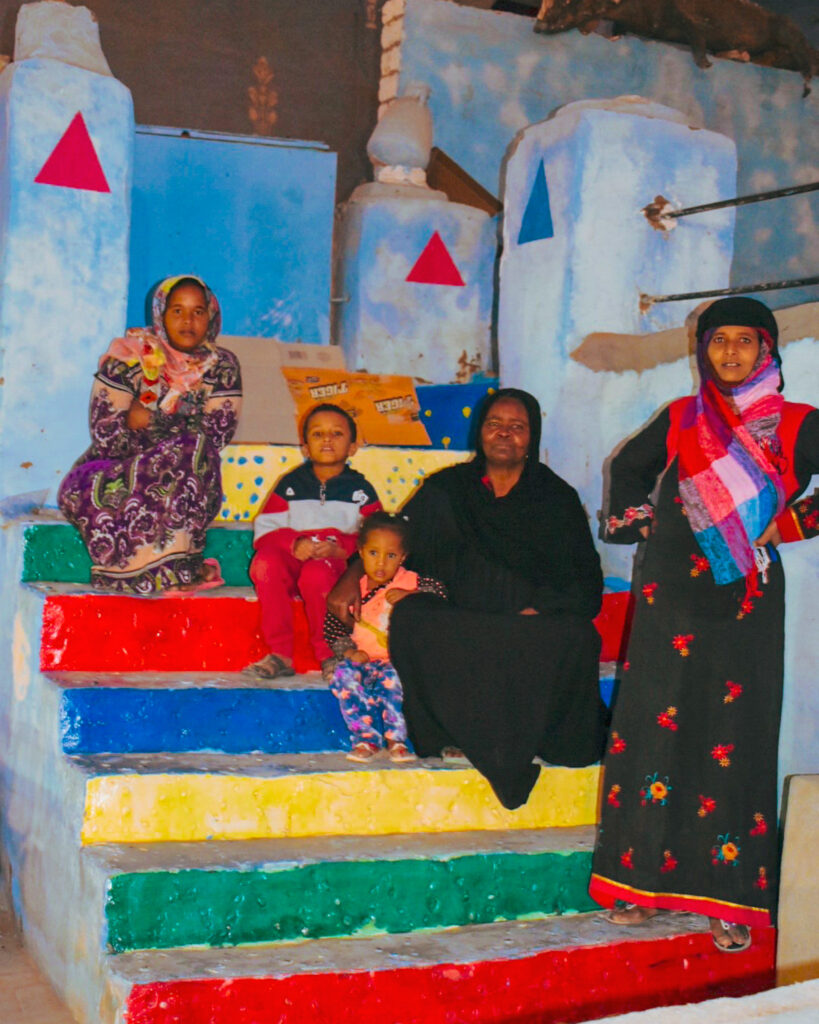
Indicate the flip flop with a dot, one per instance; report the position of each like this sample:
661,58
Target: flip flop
217,580
452,755
638,919
189,591
732,947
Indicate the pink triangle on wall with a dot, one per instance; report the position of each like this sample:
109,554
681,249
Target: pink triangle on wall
435,265
74,162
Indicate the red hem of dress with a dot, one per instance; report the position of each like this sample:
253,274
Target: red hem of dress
604,891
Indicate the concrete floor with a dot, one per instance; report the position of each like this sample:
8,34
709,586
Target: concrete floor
25,995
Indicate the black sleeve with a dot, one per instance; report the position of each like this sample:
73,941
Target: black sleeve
428,585
634,472
575,577
336,635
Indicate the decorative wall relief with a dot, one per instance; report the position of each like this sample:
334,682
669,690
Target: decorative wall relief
263,99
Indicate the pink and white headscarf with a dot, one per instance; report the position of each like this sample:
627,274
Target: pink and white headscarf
159,360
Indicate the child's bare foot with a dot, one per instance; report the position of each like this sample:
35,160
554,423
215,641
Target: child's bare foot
269,667
400,752
631,914
362,752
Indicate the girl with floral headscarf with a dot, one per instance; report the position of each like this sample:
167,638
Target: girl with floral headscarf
165,401
689,820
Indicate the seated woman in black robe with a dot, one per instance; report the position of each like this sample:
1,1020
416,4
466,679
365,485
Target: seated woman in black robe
508,668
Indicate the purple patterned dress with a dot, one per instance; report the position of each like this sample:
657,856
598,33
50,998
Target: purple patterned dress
142,499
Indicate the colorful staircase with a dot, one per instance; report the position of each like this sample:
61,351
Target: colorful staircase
186,847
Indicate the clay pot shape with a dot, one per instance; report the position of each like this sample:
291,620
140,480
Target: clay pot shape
403,136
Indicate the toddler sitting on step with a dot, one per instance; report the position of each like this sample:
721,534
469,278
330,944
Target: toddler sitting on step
366,685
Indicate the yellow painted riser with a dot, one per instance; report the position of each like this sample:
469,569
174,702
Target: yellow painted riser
249,471
160,808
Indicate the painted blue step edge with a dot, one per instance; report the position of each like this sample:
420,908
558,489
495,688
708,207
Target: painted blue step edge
232,721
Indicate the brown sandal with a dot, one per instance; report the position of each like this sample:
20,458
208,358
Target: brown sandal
271,666
631,915
736,937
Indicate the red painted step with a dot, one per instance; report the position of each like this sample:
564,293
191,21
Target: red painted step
567,985
111,633
217,632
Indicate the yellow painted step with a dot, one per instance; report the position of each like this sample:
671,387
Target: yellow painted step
186,806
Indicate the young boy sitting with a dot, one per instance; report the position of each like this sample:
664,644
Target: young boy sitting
304,534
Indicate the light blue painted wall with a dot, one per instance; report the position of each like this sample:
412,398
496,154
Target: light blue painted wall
491,75
599,160
63,266
252,217
391,325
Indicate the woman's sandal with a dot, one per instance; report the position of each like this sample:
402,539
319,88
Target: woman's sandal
630,914
723,930
452,755
211,578
271,666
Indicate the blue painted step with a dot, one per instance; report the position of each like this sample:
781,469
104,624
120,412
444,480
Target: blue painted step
171,713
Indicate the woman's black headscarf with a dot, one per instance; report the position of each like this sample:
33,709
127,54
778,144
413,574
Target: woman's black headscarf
736,311
538,531
532,407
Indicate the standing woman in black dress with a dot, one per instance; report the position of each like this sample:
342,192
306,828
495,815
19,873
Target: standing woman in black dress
689,817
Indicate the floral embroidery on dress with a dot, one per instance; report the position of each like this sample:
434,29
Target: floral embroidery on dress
631,515
613,797
618,744
726,850
669,861
751,590
655,791
720,753
648,592
666,719
760,825
707,806
627,858
682,643
734,691
761,881
701,565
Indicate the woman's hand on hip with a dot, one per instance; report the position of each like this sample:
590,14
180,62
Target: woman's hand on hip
770,536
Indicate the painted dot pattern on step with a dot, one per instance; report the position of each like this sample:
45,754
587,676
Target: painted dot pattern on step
250,471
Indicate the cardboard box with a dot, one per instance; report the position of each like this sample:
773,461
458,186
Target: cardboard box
384,406
268,411
282,381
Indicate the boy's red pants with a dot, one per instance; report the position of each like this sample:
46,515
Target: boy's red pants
278,577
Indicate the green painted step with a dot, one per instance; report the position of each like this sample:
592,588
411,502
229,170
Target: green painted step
54,552
376,887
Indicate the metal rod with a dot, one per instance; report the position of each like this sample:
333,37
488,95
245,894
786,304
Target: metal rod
757,197
770,286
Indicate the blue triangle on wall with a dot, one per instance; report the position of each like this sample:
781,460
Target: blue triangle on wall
537,218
